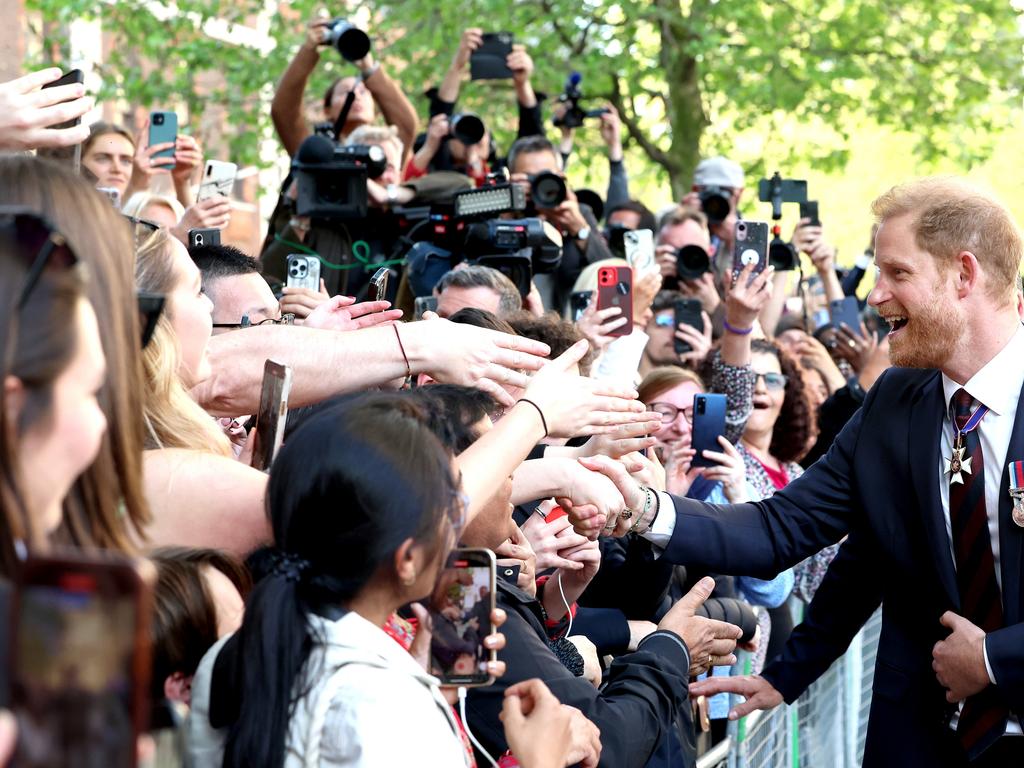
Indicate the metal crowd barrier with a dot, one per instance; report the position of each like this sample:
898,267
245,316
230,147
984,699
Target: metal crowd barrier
825,727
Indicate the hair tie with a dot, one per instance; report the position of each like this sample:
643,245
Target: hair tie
290,566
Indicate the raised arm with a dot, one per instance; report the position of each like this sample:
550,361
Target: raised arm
286,108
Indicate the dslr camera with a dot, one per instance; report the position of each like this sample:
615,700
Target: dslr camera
331,179
716,202
574,113
351,42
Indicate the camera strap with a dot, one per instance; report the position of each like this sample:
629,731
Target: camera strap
343,115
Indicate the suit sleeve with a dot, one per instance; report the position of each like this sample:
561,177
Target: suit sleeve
766,537
850,592
635,709
1006,656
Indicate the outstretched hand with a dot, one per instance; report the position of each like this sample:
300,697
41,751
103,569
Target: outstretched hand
758,692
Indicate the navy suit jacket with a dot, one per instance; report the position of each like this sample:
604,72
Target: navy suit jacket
878,483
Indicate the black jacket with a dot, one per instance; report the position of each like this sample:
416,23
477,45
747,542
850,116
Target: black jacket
641,709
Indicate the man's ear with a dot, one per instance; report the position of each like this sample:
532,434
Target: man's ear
968,272
178,687
14,399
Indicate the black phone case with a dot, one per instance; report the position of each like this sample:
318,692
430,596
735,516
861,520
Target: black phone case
687,312
809,210
708,425
488,61
197,237
751,240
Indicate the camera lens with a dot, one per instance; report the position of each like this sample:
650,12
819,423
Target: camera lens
692,261
701,405
548,190
469,129
158,119
352,43
715,204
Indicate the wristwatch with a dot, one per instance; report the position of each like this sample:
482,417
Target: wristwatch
392,190
583,234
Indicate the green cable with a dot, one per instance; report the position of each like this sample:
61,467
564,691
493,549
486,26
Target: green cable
360,250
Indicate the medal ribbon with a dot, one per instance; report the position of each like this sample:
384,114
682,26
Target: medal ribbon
972,423
1017,475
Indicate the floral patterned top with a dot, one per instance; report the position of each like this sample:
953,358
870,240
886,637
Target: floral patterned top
808,574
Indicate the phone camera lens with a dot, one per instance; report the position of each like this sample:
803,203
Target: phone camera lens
700,407
158,119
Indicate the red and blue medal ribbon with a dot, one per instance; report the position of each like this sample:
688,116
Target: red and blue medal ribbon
1017,476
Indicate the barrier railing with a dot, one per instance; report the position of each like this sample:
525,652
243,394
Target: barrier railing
825,727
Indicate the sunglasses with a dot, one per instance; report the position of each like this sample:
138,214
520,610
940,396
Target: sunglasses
39,242
287,319
141,229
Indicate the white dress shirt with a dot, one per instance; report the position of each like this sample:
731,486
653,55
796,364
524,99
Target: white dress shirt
997,385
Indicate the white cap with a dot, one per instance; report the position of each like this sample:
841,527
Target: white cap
718,172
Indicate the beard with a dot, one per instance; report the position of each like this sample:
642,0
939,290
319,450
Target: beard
932,334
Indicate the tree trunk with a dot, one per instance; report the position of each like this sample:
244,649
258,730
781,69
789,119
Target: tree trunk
683,103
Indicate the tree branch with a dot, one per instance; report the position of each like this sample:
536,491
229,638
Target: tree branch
628,119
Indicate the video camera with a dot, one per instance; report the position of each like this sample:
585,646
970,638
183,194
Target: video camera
351,42
777,191
574,113
331,179
470,228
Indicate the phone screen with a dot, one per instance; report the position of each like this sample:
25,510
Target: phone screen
578,302
73,690
460,612
273,413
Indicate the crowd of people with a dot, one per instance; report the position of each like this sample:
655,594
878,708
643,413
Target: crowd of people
489,398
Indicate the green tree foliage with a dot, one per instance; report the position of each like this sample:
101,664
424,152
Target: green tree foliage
687,75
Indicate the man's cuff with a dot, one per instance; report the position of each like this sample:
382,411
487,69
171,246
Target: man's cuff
988,667
668,643
664,525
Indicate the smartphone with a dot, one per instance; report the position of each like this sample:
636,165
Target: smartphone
809,210
218,179
687,312
70,156
578,303
163,127
151,306
303,271
488,61
751,247
639,248
460,611
379,281
424,304
80,659
708,425
272,415
112,194
615,289
203,237
845,311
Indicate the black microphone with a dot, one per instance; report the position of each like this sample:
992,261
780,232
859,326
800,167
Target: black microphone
315,150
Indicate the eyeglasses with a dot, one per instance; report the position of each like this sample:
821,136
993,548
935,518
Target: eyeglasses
670,413
772,380
37,239
288,319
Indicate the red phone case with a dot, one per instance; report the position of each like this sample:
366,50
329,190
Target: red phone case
615,289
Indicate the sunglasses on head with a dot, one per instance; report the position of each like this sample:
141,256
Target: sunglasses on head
141,229
37,242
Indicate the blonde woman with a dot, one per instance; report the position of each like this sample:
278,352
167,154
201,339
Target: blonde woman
212,213
199,495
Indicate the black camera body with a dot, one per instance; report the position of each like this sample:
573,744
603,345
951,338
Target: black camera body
517,248
351,42
716,202
331,180
571,97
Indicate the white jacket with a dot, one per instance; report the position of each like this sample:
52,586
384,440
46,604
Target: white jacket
369,705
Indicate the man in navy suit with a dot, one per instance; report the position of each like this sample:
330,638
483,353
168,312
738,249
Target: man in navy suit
919,482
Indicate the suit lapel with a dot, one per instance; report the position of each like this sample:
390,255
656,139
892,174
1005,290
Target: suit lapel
1011,536
925,433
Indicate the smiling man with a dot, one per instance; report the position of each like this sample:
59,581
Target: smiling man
920,481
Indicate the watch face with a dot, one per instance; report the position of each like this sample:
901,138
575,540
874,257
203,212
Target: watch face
583,234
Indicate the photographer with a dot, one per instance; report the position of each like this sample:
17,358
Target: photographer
682,227
611,134
718,185
480,287
583,244
371,87
439,148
